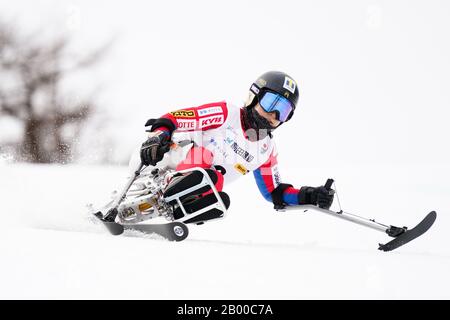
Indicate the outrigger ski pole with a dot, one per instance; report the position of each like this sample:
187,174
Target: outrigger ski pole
401,234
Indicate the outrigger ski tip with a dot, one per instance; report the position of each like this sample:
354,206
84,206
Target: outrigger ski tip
403,235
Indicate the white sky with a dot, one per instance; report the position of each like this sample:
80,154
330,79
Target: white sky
374,76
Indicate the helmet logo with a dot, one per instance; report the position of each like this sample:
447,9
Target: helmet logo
261,82
289,84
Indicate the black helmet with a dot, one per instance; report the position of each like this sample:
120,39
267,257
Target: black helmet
276,82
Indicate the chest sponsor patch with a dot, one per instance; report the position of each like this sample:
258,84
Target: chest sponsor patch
241,152
207,111
183,114
218,147
209,121
186,124
241,169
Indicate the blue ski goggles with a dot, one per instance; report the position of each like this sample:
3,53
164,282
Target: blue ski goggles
273,102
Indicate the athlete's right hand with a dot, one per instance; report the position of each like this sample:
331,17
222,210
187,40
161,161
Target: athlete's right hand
153,150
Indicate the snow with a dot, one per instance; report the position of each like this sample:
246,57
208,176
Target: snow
50,249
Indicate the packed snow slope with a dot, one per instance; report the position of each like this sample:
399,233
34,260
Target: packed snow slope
50,249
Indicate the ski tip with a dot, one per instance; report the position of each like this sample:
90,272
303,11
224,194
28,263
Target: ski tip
431,217
98,214
410,235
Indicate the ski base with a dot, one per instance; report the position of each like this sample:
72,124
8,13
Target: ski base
410,235
172,231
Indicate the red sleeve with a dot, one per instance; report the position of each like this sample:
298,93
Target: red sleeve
202,118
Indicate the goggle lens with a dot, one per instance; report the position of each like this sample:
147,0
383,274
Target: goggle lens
273,102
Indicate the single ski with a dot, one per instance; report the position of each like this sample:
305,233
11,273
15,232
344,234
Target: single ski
172,231
408,235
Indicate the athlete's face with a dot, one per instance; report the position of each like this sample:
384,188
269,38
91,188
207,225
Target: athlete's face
270,116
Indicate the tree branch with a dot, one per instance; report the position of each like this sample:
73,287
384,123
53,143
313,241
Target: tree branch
73,116
12,110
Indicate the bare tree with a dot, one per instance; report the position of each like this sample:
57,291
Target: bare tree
31,73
